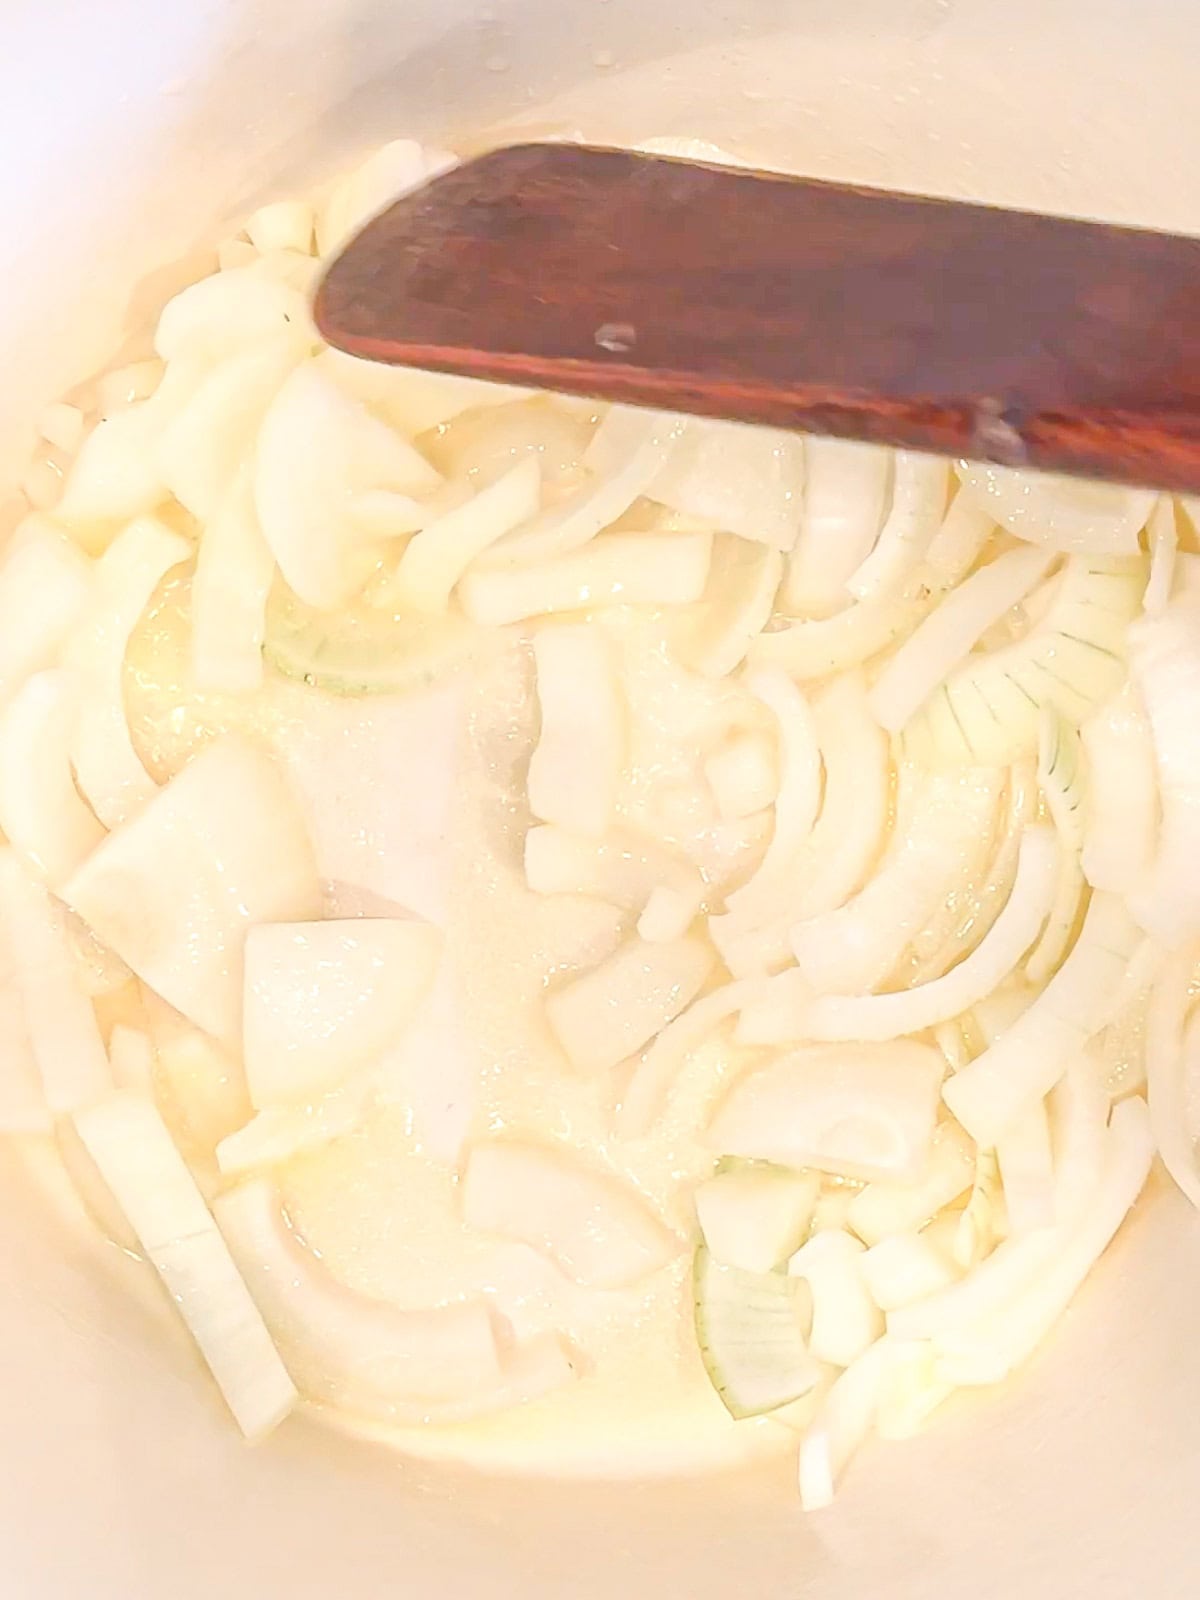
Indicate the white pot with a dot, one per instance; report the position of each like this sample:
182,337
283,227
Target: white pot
131,132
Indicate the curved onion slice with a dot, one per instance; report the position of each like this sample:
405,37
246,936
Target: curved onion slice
1024,1064
575,769
920,486
126,576
864,1111
41,812
799,796
596,1229
945,637
608,1014
1121,806
220,315
436,558
885,1207
743,480
1166,1062
740,594
130,1144
1072,659
886,1016
843,1422
58,1015
230,589
851,949
845,1318
655,569
845,490
905,1267
1061,776
1047,954
322,998
45,583
343,1346
316,448
175,890
1165,653
1072,514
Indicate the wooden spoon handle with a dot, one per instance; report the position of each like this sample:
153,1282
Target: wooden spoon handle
1028,340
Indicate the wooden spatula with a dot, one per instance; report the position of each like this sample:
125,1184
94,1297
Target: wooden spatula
961,329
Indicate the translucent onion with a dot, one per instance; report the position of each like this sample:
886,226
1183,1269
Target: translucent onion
841,1425
1121,805
1164,542
845,491
1069,514
920,488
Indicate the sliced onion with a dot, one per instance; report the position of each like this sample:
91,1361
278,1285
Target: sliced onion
845,490
850,950
108,769
1121,808
743,775
1165,654
607,1015
886,1207
131,1146
175,890
845,1319
230,589
41,812
410,400
281,1132
595,1228
742,480
1062,513
1027,1171
799,796
324,998
341,1345
387,173
990,1094
1164,542
738,602
1062,777
434,561
654,569
840,1427
282,225
1072,659
1069,901
905,1267
626,455
865,1111
919,491
575,769
61,1024
621,868
223,314
945,637
886,1016
45,584
1166,1063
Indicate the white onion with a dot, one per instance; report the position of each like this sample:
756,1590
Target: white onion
41,812
45,585
845,490
746,481
919,491
230,587
1121,807
1061,513
742,581
845,1318
841,1425
886,1207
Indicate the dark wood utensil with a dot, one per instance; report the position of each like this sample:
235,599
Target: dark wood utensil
967,330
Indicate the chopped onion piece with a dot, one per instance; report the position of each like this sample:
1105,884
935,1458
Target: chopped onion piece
322,998
223,314
886,1016
853,948
175,890
575,770
939,644
920,488
131,1146
282,225
112,778
885,1207
316,448
668,914
754,1215
862,1111
1166,1064
846,1319
45,584
59,1018
115,475
608,1014
343,1346
1165,652
1121,805
281,1132
1026,1165
436,558
1059,512
230,589
657,569
387,173
750,1327
990,1094
905,1267
747,481
845,490
842,1424
596,1229
41,812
